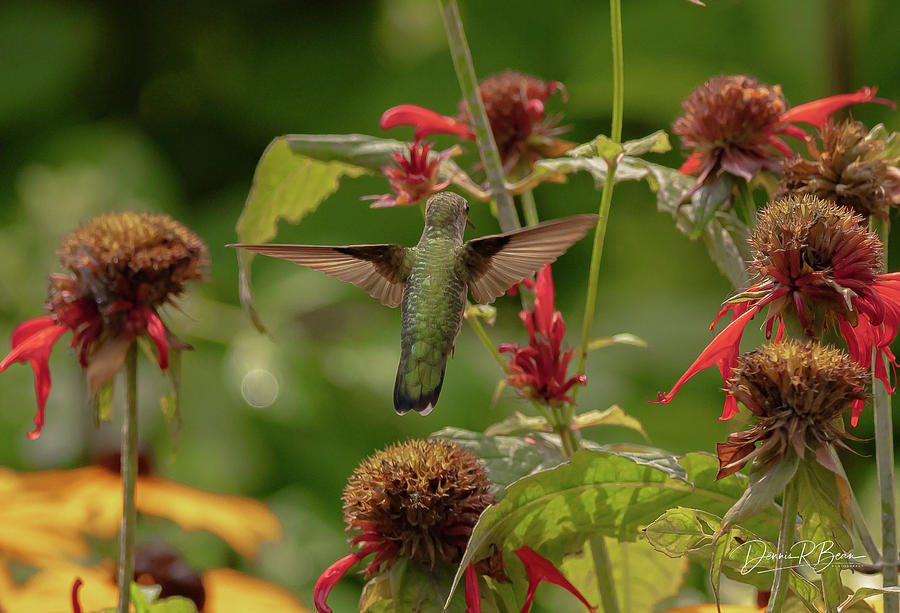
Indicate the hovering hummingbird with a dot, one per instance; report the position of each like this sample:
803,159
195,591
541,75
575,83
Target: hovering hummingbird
430,282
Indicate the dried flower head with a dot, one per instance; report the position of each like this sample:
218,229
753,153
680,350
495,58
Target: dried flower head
796,390
514,103
851,170
815,262
418,500
123,266
732,123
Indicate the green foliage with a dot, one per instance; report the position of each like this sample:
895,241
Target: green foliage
409,587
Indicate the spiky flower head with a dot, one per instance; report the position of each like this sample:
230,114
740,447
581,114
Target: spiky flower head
795,389
419,500
820,258
851,169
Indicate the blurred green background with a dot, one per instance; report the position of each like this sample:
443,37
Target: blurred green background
167,106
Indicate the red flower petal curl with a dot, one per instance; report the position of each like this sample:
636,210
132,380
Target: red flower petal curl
473,592
76,606
538,568
816,112
333,573
425,121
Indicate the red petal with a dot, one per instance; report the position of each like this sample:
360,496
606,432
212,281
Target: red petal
426,122
543,301
817,111
538,568
32,341
333,573
857,406
781,145
157,332
721,350
76,606
473,592
692,164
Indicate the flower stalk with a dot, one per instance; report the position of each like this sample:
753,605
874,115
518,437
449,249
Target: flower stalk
484,139
785,542
884,456
590,305
129,468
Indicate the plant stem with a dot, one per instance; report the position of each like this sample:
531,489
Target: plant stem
785,542
484,138
618,55
605,582
475,322
884,456
129,462
529,209
856,514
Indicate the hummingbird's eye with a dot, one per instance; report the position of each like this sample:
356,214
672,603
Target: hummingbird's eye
467,208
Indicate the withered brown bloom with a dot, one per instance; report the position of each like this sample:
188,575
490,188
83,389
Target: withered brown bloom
122,267
851,169
795,390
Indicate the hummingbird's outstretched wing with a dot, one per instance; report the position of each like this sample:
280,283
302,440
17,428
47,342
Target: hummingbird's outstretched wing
497,262
380,270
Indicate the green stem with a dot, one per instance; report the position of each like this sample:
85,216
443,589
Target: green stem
129,464
746,202
605,581
618,56
484,139
884,456
529,208
785,542
856,514
475,322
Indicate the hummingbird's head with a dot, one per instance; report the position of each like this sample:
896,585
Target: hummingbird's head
447,212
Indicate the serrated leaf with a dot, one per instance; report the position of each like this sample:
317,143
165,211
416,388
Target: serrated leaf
613,416
725,252
601,493
624,338
642,576
658,142
518,422
286,186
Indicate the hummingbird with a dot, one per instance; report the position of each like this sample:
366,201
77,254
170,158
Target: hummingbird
430,282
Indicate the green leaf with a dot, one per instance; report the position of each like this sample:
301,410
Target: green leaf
286,186
142,596
360,150
408,586
765,484
642,576
618,339
863,593
658,142
721,547
103,403
486,312
605,493
613,416
518,422
726,246
708,199
506,458
173,604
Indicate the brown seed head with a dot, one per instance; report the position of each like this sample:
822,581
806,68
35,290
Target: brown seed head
729,111
850,170
796,390
419,499
514,103
140,257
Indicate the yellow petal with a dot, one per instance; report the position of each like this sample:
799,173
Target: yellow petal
228,591
50,590
711,608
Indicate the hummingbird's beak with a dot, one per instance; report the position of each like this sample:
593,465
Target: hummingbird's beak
469,223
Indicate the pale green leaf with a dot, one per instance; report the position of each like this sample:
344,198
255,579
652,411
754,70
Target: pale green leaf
766,483
408,586
173,604
618,339
487,312
863,593
518,422
613,416
658,142
103,403
709,199
601,493
642,576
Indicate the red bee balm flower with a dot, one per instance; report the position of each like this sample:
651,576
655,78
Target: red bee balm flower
539,370
733,123
123,266
414,178
820,265
514,104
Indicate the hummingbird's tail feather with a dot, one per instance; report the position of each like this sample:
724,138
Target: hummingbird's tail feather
417,386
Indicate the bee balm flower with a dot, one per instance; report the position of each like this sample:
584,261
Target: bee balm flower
122,267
